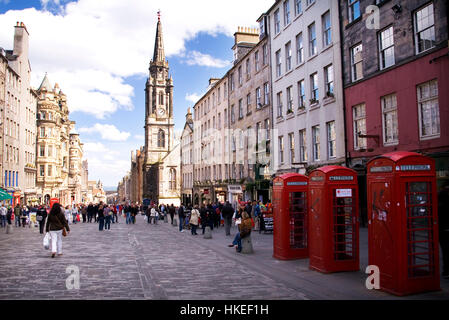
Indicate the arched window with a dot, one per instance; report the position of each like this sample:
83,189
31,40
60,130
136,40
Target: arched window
161,97
172,177
161,139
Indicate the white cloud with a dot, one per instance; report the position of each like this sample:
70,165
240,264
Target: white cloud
205,60
107,132
193,97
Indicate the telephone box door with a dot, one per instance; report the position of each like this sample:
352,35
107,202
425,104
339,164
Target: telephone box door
298,223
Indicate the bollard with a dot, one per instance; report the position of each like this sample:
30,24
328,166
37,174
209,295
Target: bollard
8,228
175,223
208,233
247,245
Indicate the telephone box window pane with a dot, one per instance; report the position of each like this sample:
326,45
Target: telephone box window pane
344,227
298,227
419,229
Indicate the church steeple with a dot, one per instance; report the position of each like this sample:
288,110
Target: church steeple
159,54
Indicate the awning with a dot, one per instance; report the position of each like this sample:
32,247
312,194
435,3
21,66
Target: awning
4,195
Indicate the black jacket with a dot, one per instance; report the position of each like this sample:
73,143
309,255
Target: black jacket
227,211
56,222
181,213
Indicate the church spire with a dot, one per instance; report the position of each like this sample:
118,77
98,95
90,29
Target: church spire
159,54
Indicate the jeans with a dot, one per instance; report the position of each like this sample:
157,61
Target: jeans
171,216
3,221
84,218
56,241
115,217
181,223
194,226
74,218
128,217
41,226
238,241
17,221
107,225
228,223
101,223
24,222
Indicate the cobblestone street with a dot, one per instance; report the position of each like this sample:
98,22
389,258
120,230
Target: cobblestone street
144,261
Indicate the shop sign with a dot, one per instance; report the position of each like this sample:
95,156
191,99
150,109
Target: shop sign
235,189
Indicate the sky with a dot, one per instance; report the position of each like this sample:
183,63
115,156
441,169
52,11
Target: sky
98,51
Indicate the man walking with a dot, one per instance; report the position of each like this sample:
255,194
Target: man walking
227,214
17,214
3,212
41,216
172,212
181,216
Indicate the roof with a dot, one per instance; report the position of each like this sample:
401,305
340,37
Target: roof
327,169
45,84
291,175
398,155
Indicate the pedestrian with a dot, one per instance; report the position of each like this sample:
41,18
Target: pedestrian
210,216
172,211
107,212
187,212
443,224
24,215
17,214
74,213
84,212
90,212
114,214
3,214
181,216
56,224
153,214
256,207
194,215
41,216
227,214
203,217
134,211
100,217
244,230
68,214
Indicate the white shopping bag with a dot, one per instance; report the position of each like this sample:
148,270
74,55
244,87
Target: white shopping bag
46,241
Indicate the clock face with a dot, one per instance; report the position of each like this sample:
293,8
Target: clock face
161,111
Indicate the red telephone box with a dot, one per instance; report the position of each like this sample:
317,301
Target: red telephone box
333,220
53,201
403,222
290,216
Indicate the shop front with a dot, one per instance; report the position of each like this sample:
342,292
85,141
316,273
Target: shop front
235,194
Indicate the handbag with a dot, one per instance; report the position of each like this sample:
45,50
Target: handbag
46,241
64,233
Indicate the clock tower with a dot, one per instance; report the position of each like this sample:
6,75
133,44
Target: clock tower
159,123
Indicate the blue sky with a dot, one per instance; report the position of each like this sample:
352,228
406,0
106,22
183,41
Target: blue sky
98,51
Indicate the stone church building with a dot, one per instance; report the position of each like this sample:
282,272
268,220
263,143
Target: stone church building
161,163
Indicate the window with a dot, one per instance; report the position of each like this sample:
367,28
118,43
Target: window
286,12
424,28
232,114
258,98
278,63
331,140
161,139
268,135
386,48
316,142
291,142
240,75
327,31
301,94
429,114
302,146
299,49
289,99
277,22
298,7
248,68
42,151
172,179
240,108
354,10
42,132
329,80
314,87
359,119
279,103
265,54
50,170
390,119
266,90
161,98
357,62
288,56
281,149
248,103
256,61
312,40
50,151
232,82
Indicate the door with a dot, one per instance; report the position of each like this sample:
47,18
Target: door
344,223
420,233
297,218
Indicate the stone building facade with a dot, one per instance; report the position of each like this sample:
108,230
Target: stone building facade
187,165
18,114
308,119
60,151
